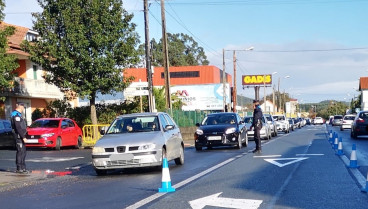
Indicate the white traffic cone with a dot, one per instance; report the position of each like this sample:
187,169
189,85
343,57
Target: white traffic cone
166,180
353,158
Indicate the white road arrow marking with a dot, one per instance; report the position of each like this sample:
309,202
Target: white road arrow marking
290,161
215,201
52,159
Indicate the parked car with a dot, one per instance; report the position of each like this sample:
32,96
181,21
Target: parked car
272,123
337,120
292,124
330,119
318,120
296,123
347,120
219,129
359,126
281,123
54,133
265,131
138,140
6,134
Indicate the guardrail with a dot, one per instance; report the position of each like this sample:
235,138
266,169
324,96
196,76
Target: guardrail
91,134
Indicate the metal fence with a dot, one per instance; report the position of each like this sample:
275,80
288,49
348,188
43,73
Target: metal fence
188,118
91,133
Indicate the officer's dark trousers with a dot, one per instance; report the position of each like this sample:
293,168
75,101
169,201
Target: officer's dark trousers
257,138
21,155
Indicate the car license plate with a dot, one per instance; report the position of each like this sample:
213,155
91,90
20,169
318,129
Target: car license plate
32,141
121,157
214,138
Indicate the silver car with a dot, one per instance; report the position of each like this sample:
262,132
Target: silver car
272,124
138,140
265,131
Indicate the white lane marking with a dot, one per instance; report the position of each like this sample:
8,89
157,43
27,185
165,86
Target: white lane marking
262,156
310,154
52,159
290,161
216,201
358,175
180,184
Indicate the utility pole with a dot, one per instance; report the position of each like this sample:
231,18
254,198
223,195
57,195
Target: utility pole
148,58
223,80
166,57
273,98
234,88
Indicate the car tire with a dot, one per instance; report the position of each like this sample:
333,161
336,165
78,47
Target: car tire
245,144
180,159
341,129
58,143
100,172
79,143
239,145
198,148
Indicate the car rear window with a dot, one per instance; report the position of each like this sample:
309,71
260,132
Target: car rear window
337,117
349,117
363,115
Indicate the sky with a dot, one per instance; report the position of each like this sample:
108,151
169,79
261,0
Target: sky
317,49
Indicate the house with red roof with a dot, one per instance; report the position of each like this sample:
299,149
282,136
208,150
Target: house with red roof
30,87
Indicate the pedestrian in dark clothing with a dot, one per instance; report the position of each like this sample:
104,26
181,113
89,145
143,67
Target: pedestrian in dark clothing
19,132
257,125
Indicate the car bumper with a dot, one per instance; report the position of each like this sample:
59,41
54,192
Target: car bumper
41,142
107,161
346,126
262,133
216,140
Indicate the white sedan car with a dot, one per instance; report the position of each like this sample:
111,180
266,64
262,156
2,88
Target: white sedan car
318,120
138,140
346,122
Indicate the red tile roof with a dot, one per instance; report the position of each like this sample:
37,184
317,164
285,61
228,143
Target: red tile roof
19,34
363,84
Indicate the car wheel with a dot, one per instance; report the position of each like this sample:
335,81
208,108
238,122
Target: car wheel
240,145
101,172
245,144
180,159
275,132
341,129
79,143
58,143
198,148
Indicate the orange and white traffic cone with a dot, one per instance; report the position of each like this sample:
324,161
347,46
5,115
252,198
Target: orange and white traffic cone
166,180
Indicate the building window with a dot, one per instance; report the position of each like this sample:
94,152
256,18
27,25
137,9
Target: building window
185,74
35,72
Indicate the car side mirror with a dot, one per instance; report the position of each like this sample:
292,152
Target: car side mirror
197,124
169,127
102,132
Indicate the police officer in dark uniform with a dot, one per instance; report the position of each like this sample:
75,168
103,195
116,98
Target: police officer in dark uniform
257,125
19,132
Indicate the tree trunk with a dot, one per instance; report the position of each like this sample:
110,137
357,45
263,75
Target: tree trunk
92,102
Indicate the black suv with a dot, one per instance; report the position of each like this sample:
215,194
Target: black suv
6,134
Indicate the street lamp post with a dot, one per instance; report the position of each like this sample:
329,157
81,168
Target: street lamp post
278,91
224,77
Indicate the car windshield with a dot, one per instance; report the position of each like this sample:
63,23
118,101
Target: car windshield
219,119
248,120
45,124
269,118
276,117
134,124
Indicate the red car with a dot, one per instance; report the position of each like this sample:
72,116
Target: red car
54,133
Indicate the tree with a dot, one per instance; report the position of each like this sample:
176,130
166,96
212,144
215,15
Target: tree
84,45
8,63
183,51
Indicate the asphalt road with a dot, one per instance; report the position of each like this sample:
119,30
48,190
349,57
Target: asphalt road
296,170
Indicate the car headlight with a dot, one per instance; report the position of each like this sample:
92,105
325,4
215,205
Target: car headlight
147,147
97,150
230,131
47,135
199,132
